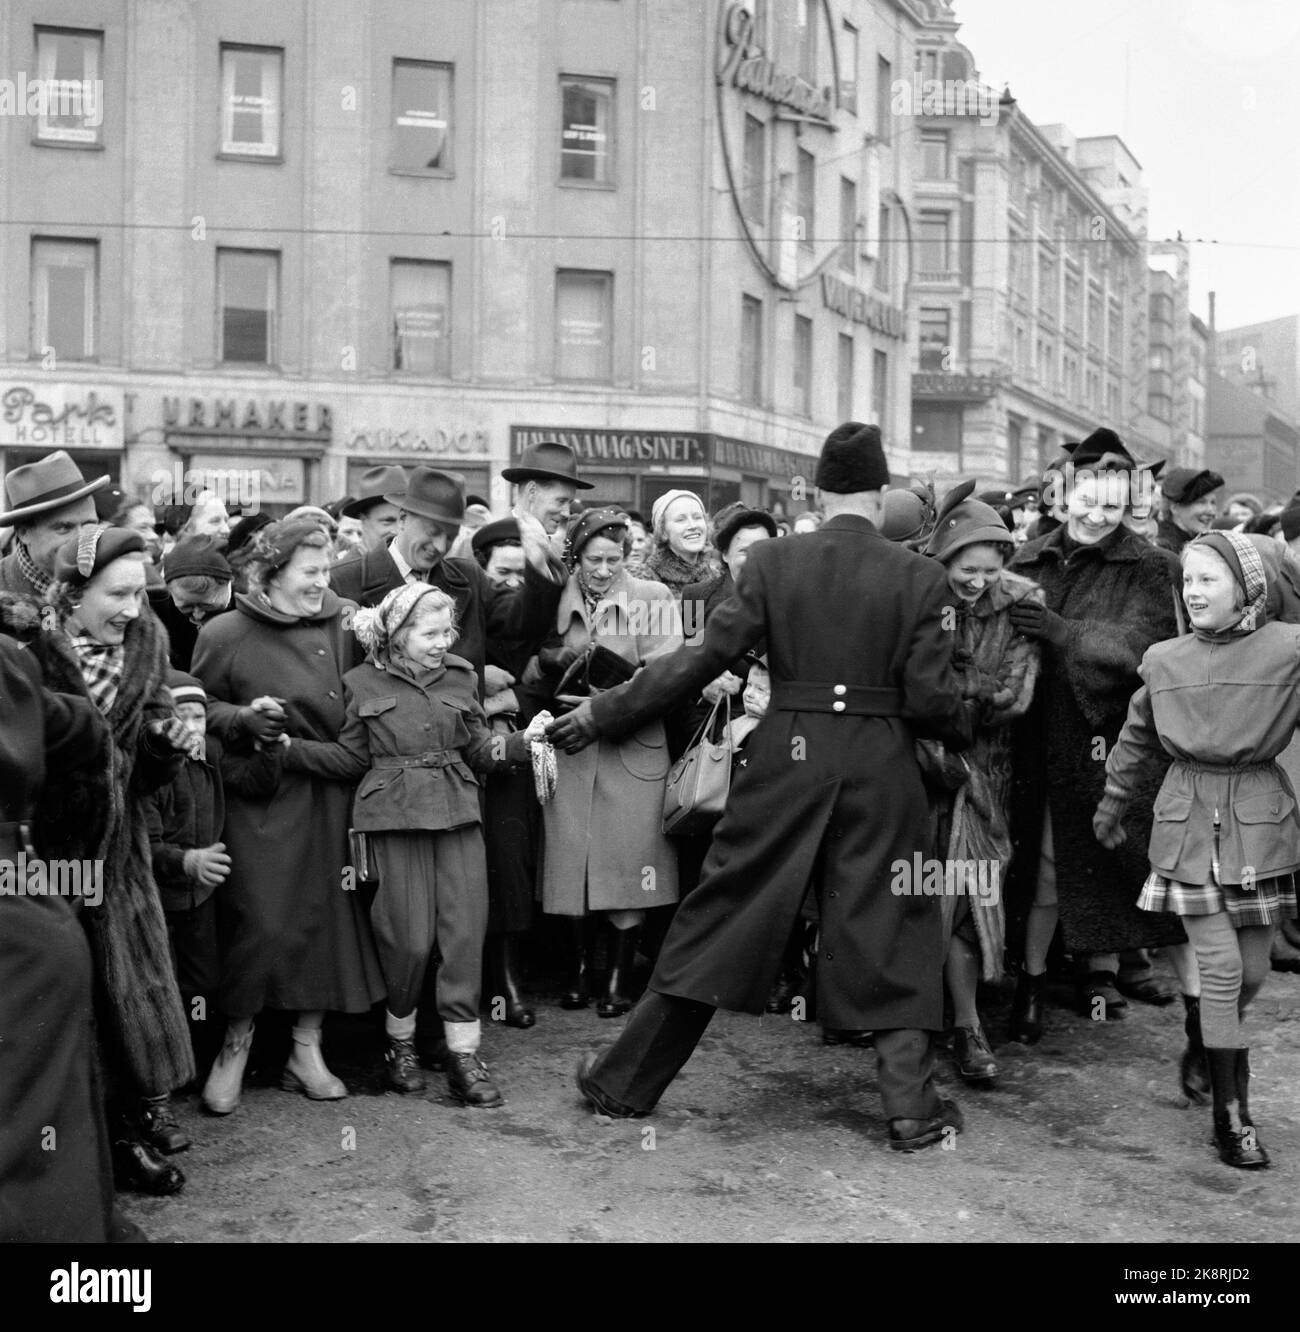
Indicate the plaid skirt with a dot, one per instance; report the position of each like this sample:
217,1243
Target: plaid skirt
1268,902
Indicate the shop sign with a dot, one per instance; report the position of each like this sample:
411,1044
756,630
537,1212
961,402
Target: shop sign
760,459
861,308
250,478
436,442
628,448
248,417
934,384
60,416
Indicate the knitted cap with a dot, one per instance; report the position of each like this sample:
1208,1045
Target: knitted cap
377,626
659,513
186,688
1242,556
196,555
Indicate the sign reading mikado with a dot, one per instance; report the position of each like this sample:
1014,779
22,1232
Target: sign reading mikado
60,416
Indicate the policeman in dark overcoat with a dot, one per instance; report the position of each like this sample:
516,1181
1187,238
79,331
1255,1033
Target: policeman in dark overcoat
859,642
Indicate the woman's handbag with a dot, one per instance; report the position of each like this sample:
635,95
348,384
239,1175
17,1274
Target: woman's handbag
698,783
596,669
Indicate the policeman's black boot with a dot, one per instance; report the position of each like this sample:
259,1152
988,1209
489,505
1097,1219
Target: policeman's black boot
504,957
137,1166
1234,1134
578,995
1193,1072
617,998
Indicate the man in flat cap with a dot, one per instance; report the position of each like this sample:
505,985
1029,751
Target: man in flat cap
859,646
48,501
1193,504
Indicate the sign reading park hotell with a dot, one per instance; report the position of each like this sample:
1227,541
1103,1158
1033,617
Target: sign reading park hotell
60,416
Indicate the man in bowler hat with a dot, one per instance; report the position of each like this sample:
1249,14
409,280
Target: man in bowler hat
48,502
859,646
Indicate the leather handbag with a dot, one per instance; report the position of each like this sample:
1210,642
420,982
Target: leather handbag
697,786
596,669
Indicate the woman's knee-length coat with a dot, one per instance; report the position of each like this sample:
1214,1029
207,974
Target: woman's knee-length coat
603,829
293,937
1118,597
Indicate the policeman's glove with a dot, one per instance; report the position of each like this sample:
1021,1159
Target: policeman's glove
575,730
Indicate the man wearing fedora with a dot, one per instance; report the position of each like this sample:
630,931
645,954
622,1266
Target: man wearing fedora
860,654
430,512
546,483
48,501
376,514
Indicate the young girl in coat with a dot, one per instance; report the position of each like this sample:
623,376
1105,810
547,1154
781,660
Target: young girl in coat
416,734
1222,702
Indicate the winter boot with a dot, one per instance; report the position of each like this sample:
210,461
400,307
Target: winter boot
221,1091
617,998
1193,1073
503,950
578,995
1234,1134
306,1071
1027,1007
159,1127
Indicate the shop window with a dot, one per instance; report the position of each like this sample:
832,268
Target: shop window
247,296
936,339
64,299
936,428
803,365
422,117
587,131
583,346
69,65
421,317
751,350
251,91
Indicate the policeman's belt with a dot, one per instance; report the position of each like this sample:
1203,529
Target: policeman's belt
851,700
434,758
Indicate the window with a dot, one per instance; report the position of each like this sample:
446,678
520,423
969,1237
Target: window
1094,319
64,290
802,365
880,388
934,246
754,183
844,370
1073,310
1114,331
884,255
849,70
250,101
1046,364
806,22
68,65
421,305
1049,298
934,154
422,117
583,345
751,349
936,339
884,81
806,185
587,130
1016,260
248,284
848,225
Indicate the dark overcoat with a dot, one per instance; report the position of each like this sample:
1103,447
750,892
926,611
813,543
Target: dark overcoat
1118,597
828,797
293,937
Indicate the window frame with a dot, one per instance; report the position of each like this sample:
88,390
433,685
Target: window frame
41,133
750,387
228,149
801,366
847,260
449,155
611,135
272,361
845,384
40,298
850,62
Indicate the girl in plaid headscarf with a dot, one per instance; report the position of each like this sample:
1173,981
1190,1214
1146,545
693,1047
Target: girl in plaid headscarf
1222,702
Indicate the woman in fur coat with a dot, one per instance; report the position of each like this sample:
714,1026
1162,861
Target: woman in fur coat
998,669
110,649
1110,594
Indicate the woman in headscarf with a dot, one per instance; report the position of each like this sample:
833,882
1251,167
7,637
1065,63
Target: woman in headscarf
680,553
415,735
294,939
107,650
998,669
605,853
1222,703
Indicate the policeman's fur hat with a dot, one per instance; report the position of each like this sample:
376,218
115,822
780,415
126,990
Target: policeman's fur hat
852,460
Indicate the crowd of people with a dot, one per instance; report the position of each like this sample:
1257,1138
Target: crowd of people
346,759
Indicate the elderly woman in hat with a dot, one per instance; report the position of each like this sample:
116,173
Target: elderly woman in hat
998,668
1109,594
605,853
1222,703
294,939
415,735
680,553
107,650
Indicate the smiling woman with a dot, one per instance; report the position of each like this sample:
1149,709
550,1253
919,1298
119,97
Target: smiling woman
681,552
